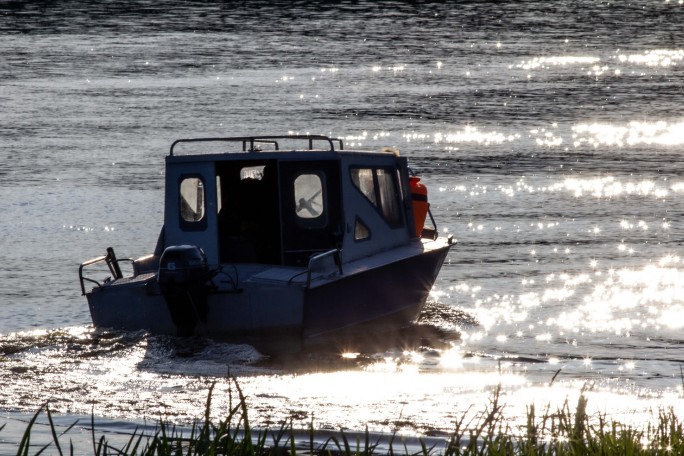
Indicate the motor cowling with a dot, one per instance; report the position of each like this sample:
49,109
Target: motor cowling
182,278
182,264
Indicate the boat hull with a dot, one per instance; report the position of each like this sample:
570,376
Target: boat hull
387,296
281,314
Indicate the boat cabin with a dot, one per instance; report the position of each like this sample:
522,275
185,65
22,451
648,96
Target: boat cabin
274,206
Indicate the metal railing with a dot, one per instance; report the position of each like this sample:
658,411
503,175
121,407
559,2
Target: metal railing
112,264
323,262
254,141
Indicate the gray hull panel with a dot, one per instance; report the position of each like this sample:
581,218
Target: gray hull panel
256,310
389,295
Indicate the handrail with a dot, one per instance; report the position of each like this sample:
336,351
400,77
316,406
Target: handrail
263,141
317,260
252,140
112,264
80,272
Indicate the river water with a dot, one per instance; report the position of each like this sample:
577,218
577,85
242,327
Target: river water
549,136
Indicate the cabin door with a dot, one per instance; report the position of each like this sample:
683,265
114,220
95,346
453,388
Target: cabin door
190,212
311,209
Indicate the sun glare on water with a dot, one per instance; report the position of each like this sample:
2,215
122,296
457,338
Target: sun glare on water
630,134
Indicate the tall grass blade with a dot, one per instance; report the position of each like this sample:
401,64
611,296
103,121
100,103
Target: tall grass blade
92,430
53,431
247,439
26,438
311,436
347,447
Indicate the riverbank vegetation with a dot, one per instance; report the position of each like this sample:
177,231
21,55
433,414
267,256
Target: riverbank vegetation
569,430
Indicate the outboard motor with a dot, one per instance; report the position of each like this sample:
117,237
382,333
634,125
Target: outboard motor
183,274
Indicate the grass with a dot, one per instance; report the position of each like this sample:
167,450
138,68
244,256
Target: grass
566,431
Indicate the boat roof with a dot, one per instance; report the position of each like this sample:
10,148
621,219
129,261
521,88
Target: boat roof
268,146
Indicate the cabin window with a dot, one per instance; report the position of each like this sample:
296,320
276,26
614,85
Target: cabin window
363,180
219,201
308,195
252,172
379,186
192,204
361,231
389,197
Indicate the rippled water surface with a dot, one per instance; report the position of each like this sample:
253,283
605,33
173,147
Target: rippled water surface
550,138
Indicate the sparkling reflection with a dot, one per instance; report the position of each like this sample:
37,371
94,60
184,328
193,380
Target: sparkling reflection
631,134
135,376
594,136
657,57
551,61
614,301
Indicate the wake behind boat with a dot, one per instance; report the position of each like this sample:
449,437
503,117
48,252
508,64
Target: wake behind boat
271,244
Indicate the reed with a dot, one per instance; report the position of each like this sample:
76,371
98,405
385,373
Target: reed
566,431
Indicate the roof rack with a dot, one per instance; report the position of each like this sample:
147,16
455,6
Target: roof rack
254,141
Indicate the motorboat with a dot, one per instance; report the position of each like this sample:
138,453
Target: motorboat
269,238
